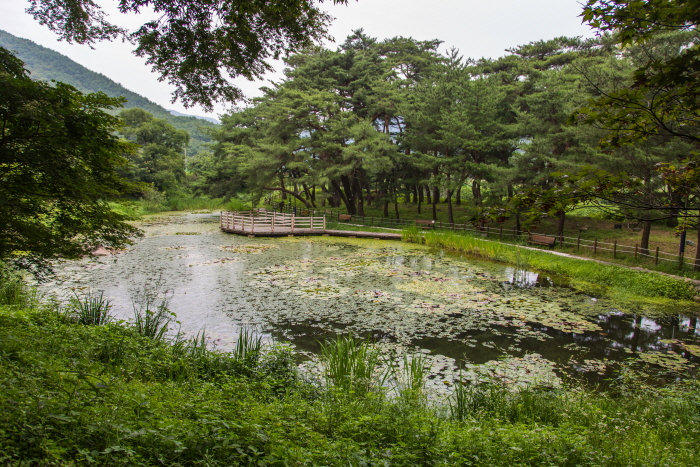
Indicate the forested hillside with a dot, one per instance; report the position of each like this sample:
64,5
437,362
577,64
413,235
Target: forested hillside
46,64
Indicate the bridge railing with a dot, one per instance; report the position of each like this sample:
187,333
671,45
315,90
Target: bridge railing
262,220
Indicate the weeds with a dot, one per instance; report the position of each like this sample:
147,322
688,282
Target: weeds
91,309
152,317
105,395
350,365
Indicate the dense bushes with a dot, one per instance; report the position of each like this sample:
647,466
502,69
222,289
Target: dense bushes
75,394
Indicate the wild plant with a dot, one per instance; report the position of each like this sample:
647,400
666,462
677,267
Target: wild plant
90,309
152,316
15,292
248,347
350,365
409,376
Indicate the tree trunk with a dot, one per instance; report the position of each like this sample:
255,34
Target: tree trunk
420,193
385,210
396,202
450,217
518,228
646,231
458,201
560,224
476,192
358,197
284,189
348,189
415,194
309,195
696,266
436,200
349,206
428,198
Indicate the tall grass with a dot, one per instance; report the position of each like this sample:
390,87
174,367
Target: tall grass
586,275
350,365
152,316
15,292
90,309
409,376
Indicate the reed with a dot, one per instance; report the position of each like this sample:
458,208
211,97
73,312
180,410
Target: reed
91,309
152,317
349,365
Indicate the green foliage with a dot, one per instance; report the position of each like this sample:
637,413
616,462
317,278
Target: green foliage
153,200
587,275
105,395
61,163
349,365
47,65
194,203
160,160
238,36
90,309
152,318
235,204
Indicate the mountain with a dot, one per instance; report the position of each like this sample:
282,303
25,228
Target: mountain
179,114
47,64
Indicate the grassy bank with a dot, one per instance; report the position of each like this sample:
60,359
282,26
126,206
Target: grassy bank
588,276
115,394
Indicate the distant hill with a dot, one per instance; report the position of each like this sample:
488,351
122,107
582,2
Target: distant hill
180,114
47,64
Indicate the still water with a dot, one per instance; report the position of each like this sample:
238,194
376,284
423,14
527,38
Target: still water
474,319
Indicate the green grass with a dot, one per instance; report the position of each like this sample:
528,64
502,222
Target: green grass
589,276
108,395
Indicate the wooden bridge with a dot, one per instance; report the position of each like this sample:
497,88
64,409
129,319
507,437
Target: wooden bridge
263,223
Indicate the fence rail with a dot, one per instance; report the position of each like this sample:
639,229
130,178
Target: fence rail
595,246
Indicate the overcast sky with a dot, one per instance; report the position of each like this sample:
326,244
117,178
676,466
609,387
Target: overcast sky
478,29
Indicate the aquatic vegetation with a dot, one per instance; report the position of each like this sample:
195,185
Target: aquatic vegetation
249,248
93,308
609,279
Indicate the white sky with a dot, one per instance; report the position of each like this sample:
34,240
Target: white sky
477,28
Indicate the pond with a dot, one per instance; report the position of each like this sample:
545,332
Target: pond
476,320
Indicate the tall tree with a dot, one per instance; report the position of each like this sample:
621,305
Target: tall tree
197,44
59,164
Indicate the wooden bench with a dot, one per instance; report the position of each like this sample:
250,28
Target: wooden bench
344,217
425,223
541,240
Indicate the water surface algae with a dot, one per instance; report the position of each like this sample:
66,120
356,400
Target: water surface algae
481,321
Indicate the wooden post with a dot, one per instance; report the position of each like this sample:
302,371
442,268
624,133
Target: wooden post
252,223
501,233
615,249
293,216
487,231
578,242
324,223
657,256
595,246
272,229
636,250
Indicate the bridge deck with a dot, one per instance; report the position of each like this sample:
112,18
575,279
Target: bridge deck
265,224
279,232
